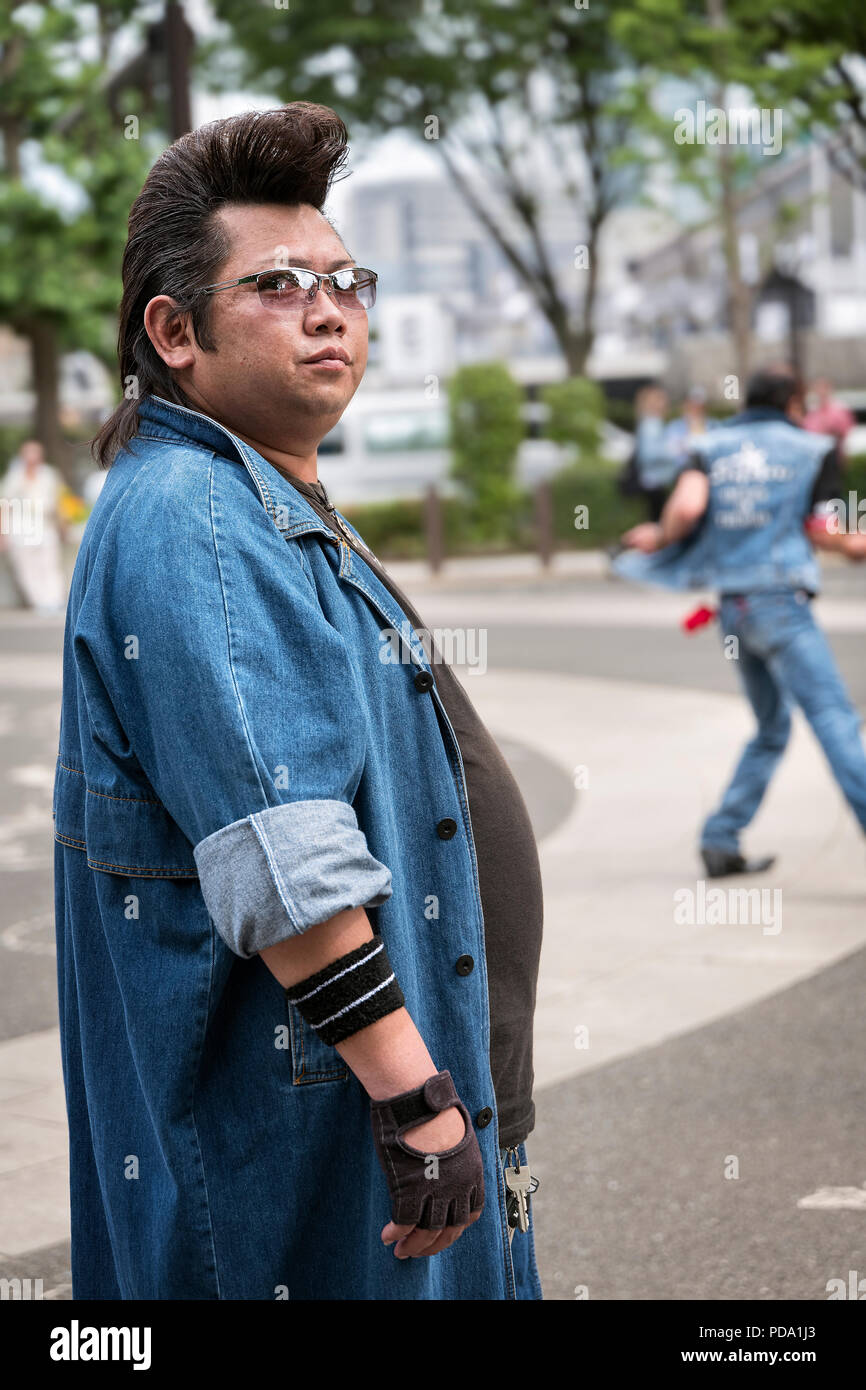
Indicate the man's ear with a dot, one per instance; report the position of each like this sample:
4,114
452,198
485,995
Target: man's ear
170,332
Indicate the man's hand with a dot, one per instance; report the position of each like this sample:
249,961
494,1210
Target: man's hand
647,537
433,1200
851,544
446,1130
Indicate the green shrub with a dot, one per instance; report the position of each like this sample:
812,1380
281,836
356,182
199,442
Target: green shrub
575,410
391,528
607,514
854,475
486,429
396,530
494,514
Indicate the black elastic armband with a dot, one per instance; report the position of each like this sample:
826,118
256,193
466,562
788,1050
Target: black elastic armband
349,994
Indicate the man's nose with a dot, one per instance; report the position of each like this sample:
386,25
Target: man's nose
324,312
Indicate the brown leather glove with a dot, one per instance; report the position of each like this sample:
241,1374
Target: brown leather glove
426,1193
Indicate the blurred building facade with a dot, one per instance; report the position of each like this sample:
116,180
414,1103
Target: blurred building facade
448,294
802,246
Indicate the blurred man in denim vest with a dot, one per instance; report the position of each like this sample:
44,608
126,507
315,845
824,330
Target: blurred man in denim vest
755,498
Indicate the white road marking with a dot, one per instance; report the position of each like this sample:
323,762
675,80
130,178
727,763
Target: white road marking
831,1198
33,775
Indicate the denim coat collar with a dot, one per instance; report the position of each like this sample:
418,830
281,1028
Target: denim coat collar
287,507
289,510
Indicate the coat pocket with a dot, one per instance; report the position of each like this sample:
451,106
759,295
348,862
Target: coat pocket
312,1060
303,1055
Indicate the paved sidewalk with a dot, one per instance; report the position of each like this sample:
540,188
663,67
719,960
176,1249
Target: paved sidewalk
34,1201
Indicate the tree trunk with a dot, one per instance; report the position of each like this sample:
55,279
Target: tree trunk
576,348
10,126
45,376
572,338
178,53
739,294
575,333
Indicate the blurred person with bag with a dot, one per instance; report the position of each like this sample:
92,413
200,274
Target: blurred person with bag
653,464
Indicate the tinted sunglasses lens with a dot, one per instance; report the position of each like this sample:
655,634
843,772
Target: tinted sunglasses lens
355,289
367,294
284,289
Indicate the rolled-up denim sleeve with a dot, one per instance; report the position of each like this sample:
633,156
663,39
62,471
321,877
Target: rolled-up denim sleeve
261,882
207,661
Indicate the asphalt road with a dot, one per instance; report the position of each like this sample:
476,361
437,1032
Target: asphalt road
636,1153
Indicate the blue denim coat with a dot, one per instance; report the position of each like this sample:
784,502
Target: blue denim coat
762,470
237,762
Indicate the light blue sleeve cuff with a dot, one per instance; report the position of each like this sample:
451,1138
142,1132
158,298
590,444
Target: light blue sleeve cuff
278,872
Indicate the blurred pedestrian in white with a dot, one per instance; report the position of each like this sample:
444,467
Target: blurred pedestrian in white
32,528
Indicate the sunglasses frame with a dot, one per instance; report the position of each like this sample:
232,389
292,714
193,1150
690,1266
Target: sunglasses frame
331,290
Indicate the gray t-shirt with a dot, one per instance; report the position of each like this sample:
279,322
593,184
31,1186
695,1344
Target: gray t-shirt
508,869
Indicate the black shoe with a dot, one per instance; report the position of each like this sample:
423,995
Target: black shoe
719,862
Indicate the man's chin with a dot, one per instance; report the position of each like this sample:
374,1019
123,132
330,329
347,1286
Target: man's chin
328,395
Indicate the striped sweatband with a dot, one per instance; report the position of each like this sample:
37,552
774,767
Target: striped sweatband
349,994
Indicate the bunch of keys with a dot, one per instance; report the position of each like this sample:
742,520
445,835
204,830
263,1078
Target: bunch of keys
520,1184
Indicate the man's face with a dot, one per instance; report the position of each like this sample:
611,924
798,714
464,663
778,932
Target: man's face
260,381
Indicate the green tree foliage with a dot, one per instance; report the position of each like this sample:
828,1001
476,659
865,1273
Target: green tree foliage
60,254
805,58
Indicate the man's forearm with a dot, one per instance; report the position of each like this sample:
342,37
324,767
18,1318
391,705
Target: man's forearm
675,525
390,1055
293,959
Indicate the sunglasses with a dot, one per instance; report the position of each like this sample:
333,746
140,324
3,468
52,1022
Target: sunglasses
294,287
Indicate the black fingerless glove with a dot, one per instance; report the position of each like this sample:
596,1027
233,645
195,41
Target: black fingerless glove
427,1190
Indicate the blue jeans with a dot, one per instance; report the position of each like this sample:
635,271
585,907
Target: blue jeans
526,1280
784,658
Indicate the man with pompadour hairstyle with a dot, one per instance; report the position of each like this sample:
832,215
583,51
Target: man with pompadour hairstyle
298,901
